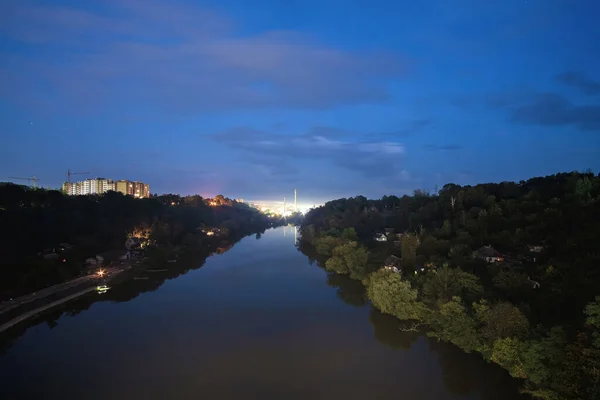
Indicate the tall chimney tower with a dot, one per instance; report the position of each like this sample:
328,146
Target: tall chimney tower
284,206
295,203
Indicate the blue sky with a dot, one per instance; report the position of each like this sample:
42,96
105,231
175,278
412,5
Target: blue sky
334,98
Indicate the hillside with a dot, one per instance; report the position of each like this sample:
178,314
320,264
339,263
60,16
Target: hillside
509,270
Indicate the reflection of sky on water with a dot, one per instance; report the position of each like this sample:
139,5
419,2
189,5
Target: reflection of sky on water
255,322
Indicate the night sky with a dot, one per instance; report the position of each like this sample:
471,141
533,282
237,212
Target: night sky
335,98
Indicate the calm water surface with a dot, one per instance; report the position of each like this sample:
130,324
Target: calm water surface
258,321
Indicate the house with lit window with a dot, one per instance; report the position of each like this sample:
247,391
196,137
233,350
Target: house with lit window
380,237
489,254
392,263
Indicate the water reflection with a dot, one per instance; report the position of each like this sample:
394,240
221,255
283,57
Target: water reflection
463,374
291,229
467,373
350,291
387,331
257,322
128,289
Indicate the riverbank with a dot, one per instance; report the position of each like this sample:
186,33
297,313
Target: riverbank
246,318
27,315
159,260
18,310
456,307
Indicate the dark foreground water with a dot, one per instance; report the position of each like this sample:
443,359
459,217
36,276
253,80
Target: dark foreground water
257,322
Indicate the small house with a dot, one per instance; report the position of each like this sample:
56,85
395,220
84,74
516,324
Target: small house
392,263
211,231
91,261
50,256
536,249
489,254
380,237
132,243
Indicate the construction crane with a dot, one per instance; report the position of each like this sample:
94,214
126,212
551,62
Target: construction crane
34,179
69,173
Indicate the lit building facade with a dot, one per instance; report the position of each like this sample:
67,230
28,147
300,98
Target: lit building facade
125,187
133,188
141,190
102,185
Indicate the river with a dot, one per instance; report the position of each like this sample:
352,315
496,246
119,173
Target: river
258,321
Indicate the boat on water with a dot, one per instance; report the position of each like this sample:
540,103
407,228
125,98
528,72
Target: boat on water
102,289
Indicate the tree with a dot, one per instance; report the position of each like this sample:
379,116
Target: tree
349,234
453,324
350,259
448,282
592,312
391,295
220,199
560,212
513,283
508,352
409,246
446,229
580,376
325,245
337,263
501,320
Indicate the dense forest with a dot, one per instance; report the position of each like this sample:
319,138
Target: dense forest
37,223
508,270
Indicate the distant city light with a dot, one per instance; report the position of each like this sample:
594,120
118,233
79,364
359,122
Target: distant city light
276,207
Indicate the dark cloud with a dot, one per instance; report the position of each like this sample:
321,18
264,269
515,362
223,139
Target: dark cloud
506,99
271,166
554,110
580,81
413,127
369,158
547,109
462,102
182,59
447,147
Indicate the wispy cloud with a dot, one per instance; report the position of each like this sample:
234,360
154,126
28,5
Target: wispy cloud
368,158
581,81
444,147
182,58
413,127
541,108
554,110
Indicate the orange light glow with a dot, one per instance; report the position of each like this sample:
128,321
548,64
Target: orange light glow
101,273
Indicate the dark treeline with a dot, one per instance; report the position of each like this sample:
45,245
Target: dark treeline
37,223
531,306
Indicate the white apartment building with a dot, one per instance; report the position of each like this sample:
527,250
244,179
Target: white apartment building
102,185
89,186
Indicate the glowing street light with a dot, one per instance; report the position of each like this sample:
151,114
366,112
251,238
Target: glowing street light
100,273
